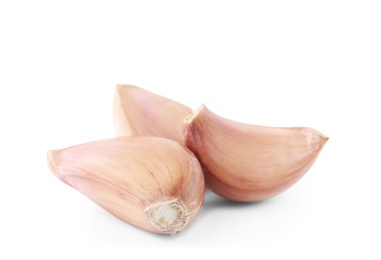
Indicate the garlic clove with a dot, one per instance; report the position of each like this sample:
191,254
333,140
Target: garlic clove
150,182
140,112
243,162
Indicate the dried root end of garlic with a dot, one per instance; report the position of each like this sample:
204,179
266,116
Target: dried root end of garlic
169,216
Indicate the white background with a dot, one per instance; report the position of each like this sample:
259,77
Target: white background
275,63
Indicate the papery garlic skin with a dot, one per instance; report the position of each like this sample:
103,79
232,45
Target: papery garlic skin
140,112
150,182
245,163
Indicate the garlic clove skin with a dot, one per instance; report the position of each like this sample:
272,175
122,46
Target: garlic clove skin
140,112
152,183
246,163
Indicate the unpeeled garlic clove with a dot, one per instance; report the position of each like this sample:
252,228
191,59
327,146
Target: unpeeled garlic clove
140,112
150,182
244,162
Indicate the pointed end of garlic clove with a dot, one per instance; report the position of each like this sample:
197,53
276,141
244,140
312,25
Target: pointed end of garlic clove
315,139
323,139
52,163
122,126
168,217
56,166
124,86
192,115
121,89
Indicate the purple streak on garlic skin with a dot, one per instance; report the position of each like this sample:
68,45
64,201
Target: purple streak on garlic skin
245,162
140,112
150,182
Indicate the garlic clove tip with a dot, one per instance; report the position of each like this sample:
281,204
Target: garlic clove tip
51,156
